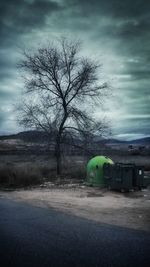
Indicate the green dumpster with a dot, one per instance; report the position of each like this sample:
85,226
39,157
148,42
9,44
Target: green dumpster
95,175
124,176
119,176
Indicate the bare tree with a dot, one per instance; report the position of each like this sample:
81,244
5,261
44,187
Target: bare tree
61,87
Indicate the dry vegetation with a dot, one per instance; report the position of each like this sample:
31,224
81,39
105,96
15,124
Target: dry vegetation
22,171
14,176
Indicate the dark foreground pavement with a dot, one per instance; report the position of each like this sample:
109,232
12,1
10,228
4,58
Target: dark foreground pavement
37,237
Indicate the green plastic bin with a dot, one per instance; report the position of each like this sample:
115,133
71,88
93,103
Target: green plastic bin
95,176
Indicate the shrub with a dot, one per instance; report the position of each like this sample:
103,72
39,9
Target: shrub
17,176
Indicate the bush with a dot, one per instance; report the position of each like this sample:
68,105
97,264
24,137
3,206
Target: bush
76,172
20,172
48,172
17,176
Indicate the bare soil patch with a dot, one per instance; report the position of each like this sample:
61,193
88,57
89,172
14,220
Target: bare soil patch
124,209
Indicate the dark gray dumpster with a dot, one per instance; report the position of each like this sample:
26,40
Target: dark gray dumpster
146,181
138,176
118,176
122,176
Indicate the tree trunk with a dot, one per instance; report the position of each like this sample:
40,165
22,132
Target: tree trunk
58,160
58,140
58,156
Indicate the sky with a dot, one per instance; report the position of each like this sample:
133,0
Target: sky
115,32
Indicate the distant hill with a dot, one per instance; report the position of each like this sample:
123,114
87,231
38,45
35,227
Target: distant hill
39,136
27,136
140,141
115,141
143,141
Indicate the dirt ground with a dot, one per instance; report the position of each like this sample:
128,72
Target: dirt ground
124,209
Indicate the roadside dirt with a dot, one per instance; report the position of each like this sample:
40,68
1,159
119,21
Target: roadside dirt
124,209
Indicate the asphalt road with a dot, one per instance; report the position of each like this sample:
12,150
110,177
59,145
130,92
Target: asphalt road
38,237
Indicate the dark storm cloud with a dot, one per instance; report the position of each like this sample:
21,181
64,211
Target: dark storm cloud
143,122
7,118
125,23
124,19
19,17
7,64
121,9
2,118
123,26
137,70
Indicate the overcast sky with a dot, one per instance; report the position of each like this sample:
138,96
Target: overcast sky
116,32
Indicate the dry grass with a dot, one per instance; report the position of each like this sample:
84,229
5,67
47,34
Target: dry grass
23,172
19,176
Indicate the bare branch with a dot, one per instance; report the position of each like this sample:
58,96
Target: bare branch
58,84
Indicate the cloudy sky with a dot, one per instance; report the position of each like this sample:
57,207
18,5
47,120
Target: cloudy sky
114,31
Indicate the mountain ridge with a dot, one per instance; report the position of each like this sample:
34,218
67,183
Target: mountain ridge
36,136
